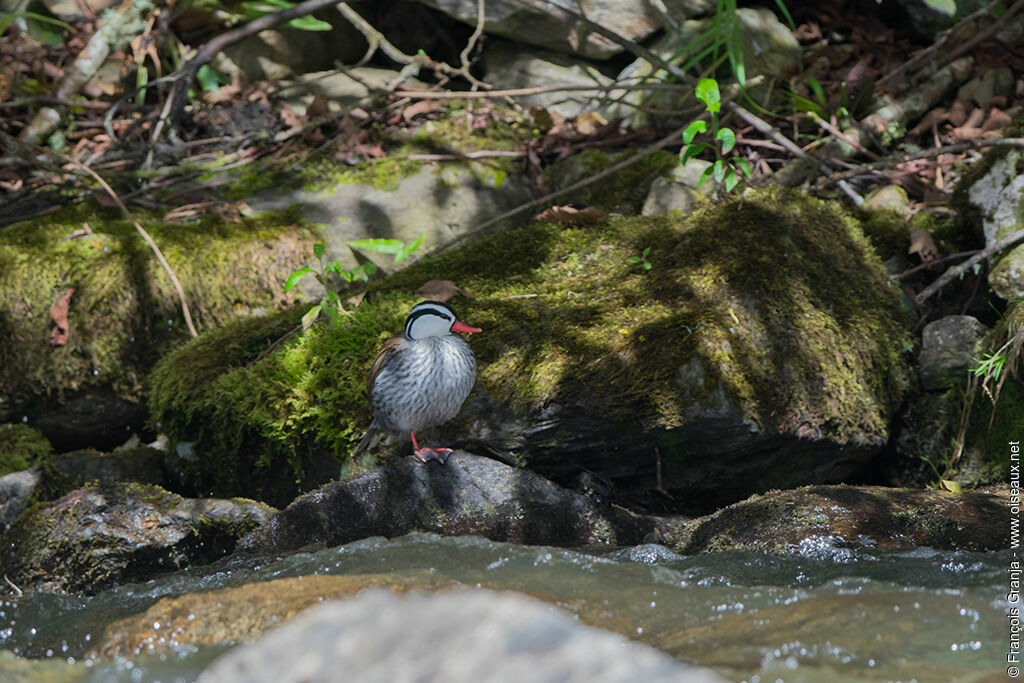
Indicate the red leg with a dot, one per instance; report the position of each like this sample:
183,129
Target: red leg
425,454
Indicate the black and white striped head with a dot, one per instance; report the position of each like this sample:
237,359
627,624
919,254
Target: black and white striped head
434,319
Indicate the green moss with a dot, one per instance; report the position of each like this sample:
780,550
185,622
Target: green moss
124,311
21,447
568,319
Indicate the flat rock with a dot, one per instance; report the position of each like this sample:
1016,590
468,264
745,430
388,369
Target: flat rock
455,636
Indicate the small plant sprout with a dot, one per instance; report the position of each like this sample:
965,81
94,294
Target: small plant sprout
330,304
642,259
727,171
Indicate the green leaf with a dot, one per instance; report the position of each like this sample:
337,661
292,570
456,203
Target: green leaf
707,92
647,250
745,167
633,259
208,78
381,246
691,151
310,23
731,179
405,251
6,19
647,265
310,316
296,276
727,138
692,130
718,171
705,175
819,92
318,250
141,79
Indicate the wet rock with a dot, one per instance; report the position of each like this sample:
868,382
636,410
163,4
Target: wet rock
99,536
949,347
95,420
62,473
467,495
15,489
818,519
483,636
234,615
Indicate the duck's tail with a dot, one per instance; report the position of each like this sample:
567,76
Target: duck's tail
369,440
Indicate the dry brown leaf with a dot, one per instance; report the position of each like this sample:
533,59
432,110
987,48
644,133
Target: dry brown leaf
922,244
59,316
441,290
542,120
997,120
958,113
318,108
590,123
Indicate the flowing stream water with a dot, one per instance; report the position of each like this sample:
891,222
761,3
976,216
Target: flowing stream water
824,614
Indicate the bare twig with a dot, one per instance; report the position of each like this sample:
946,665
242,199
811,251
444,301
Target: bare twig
925,154
930,264
942,280
149,240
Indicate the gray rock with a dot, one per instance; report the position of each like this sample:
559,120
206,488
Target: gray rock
346,89
99,536
537,23
950,346
15,489
678,192
456,636
999,196
467,495
511,65
285,51
440,203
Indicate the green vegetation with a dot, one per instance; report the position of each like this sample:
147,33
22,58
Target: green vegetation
21,447
567,319
124,311
727,171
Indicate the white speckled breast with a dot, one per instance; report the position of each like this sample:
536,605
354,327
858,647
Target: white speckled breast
424,384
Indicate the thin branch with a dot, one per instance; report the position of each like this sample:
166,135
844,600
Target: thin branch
925,154
931,264
149,240
953,272
929,52
493,154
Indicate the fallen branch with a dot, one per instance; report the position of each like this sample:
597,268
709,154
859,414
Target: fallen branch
890,162
953,272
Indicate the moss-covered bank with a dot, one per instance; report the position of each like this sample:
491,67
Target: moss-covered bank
778,300
124,312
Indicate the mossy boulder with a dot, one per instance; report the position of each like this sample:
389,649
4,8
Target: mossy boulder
21,447
122,311
99,536
762,349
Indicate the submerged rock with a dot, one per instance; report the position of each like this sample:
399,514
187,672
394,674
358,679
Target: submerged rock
465,635
467,495
99,536
821,519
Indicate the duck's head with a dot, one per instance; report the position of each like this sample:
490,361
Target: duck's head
434,319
